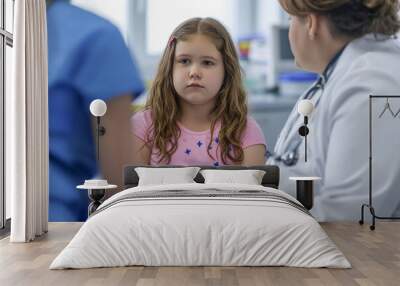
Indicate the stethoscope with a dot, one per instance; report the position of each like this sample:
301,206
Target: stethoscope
291,156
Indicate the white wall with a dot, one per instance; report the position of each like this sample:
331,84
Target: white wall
113,10
268,13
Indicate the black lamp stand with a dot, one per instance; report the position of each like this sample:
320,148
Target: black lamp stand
303,131
304,185
101,130
305,193
95,196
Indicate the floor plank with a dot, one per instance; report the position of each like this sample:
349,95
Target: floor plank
374,255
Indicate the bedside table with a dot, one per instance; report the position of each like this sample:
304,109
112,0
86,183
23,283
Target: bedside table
304,190
96,193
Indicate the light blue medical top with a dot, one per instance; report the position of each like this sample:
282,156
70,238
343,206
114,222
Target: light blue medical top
88,59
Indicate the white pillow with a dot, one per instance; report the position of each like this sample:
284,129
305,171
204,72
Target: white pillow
163,176
248,177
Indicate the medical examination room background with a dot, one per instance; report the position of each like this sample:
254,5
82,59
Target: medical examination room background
258,27
261,39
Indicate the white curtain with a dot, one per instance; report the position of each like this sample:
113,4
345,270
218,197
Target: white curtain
27,124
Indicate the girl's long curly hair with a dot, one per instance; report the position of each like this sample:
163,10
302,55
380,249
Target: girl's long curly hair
230,107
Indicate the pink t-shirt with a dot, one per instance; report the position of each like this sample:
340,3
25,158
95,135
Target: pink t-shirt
192,145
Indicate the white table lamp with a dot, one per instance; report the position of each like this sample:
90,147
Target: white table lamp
98,108
305,107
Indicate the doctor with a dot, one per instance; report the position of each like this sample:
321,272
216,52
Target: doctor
351,44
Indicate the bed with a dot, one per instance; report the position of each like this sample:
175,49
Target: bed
201,224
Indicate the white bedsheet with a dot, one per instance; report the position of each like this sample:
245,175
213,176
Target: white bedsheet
200,231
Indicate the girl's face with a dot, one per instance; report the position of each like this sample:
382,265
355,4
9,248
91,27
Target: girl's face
198,70
299,41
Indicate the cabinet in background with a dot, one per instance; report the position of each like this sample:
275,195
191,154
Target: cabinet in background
271,113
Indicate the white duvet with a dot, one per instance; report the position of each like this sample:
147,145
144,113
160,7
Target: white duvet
182,231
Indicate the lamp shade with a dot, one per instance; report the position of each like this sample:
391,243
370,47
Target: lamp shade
98,107
305,107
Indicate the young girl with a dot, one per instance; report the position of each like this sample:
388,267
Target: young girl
196,112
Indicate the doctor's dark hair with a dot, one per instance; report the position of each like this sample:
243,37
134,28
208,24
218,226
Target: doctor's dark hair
230,107
352,18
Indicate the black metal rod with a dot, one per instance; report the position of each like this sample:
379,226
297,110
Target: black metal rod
386,217
305,148
384,96
370,150
305,137
98,139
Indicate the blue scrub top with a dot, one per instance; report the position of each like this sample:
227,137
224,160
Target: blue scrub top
88,59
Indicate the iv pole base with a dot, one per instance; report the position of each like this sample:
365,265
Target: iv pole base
372,211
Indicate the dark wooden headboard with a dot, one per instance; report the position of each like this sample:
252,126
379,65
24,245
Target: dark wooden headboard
270,179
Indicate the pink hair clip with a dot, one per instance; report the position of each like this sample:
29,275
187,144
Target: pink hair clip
171,41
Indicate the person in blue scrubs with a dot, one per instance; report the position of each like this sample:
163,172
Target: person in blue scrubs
87,59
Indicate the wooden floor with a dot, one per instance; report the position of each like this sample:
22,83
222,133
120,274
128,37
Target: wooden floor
374,255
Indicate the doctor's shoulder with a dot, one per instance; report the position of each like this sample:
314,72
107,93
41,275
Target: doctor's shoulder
375,52
368,65
353,83
376,71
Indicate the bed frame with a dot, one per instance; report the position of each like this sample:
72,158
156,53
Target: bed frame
270,179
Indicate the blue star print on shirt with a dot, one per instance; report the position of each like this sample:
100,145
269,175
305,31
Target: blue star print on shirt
188,151
216,164
216,140
199,143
